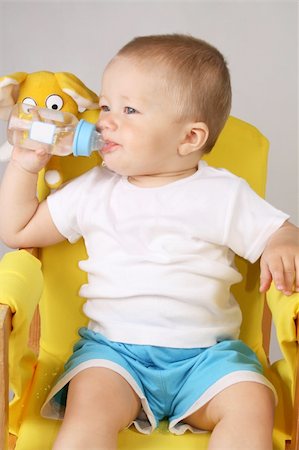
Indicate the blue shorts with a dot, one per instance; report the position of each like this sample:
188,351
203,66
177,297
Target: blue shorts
170,382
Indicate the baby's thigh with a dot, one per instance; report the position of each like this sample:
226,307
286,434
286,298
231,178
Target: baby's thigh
241,403
103,394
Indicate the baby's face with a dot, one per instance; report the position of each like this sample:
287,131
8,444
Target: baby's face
138,121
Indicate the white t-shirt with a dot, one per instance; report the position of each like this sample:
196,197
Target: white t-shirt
161,260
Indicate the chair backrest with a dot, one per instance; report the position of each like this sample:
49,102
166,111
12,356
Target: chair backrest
242,149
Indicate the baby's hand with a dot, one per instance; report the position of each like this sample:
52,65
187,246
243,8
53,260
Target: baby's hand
30,160
280,260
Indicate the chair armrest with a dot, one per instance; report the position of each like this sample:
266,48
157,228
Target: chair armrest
285,310
21,281
21,284
5,328
285,314
294,443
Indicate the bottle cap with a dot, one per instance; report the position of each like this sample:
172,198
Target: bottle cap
82,138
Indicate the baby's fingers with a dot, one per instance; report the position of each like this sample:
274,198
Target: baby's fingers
282,272
265,277
284,275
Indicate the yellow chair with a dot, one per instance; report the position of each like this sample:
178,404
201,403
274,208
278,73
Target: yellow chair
52,283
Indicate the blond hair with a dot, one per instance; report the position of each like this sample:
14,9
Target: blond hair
196,75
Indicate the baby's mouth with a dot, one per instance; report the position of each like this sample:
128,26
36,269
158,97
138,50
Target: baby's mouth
109,147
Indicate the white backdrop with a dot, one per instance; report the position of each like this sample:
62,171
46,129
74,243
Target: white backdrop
258,38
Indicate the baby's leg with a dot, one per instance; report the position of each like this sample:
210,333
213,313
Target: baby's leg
240,418
100,403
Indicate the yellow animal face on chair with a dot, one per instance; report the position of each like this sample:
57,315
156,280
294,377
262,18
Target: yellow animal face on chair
58,91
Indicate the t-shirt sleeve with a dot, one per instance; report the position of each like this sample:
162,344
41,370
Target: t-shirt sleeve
64,206
251,222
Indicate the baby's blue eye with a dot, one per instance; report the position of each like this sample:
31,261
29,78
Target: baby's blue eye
104,108
129,110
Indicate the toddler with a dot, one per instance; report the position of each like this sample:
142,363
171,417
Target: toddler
161,230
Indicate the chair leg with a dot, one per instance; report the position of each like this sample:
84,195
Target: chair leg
11,441
5,328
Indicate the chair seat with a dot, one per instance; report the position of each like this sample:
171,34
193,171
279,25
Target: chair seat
162,439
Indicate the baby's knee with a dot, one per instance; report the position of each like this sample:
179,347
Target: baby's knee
255,402
247,402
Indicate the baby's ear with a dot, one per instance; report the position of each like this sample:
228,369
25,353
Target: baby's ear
196,136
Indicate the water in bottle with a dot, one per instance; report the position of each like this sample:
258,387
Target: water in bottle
56,132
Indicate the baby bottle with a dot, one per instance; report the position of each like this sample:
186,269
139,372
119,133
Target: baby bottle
57,132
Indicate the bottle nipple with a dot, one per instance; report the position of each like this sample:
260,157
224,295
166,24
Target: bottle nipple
86,139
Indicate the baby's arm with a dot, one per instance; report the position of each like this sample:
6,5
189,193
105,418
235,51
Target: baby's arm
280,260
24,221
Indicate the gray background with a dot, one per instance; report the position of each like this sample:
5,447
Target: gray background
258,38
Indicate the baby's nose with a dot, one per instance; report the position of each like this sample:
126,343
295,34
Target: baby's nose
106,121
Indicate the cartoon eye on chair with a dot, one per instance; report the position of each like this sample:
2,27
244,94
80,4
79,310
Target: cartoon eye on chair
52,281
